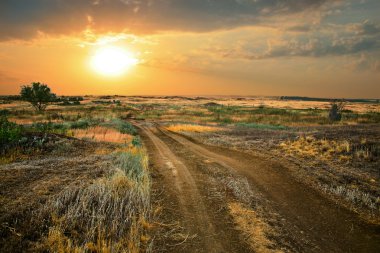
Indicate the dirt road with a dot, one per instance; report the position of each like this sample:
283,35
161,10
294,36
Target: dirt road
314,223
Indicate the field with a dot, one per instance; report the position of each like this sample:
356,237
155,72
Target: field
189,174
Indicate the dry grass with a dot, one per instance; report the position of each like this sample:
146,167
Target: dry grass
354,195
33,119
359,191
102,134
192,128
254,229
109,215
325,149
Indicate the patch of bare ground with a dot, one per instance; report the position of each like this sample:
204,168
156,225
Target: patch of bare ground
26,186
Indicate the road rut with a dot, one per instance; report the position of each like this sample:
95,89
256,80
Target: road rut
194,214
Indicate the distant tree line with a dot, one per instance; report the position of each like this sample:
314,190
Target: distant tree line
69,100
353,100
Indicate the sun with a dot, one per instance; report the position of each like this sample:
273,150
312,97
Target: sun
112,61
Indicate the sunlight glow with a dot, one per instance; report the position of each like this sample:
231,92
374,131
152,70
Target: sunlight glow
112,61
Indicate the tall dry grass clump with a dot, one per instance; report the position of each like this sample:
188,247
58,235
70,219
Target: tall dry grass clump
110,215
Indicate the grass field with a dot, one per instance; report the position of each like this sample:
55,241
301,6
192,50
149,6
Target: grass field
76,178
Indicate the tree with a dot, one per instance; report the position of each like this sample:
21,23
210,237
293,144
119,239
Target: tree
38,94
335,113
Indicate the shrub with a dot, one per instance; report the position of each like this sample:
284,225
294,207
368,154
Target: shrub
10,133
136,141
39,95
335,113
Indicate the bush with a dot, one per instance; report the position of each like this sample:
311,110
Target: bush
335,113
10,133
136,141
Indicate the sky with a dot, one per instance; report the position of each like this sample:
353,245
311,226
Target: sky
316,48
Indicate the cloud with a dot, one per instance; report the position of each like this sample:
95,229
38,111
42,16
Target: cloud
300,28
364,63
24,19
320,41
365,28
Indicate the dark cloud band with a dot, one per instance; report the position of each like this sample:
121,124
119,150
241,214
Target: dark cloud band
23,19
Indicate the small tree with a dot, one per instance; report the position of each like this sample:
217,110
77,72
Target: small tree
38,94
335,113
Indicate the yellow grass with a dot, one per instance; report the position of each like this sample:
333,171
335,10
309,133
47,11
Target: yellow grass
102,134
32,120
254,228
310,146
192,128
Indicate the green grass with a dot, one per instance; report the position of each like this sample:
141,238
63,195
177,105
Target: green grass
61,128
122,126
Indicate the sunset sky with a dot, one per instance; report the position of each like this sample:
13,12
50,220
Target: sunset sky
319,48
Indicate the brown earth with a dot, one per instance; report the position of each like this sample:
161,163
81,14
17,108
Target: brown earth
309,222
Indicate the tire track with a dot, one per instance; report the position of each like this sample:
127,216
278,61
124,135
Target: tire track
330,227
195,216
